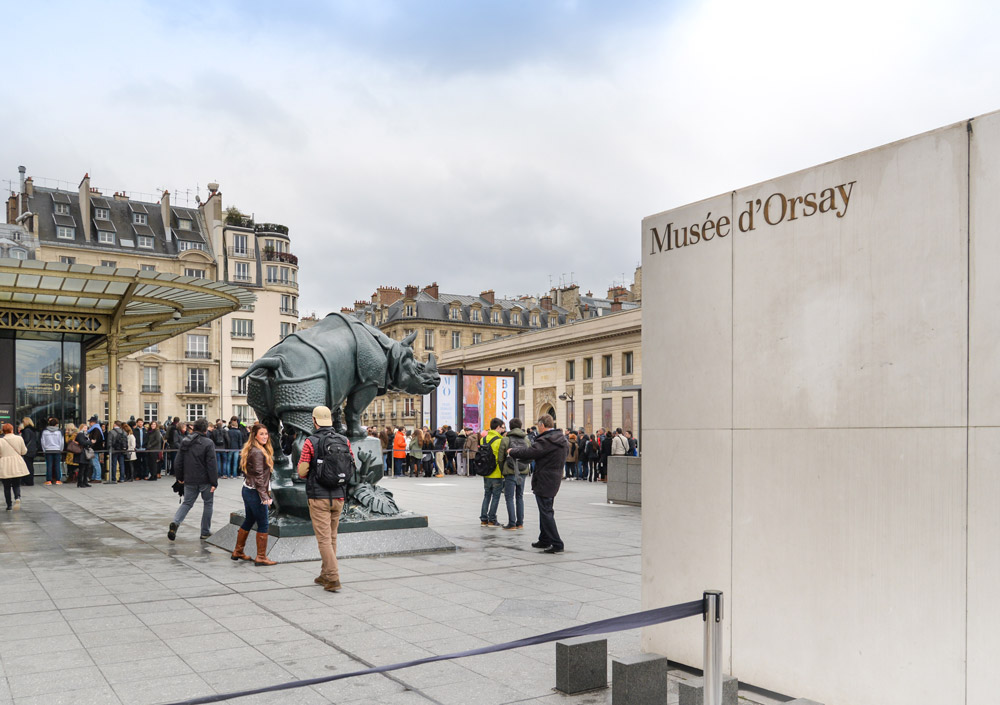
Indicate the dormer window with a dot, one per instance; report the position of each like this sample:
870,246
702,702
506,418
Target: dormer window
476,318
455,313
65,233
102,214
140,219
62,209
411,310
144,241
105,238
184,225
534,320
497,317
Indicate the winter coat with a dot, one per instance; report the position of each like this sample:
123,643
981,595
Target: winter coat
504,446
84,440
258,474
52,440
195,461
548,451
495,445
454,440
30,437
416,449
234,438
220,436
12,450
573,455
399,445
130,441
154,440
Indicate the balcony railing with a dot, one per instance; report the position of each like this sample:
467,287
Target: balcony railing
241,363
275,256
242,252
283,282
242,335
198,354
271,228
197,389
241,278
150,389
290,311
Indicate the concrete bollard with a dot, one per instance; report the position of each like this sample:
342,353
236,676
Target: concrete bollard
692,691
639,680
581,664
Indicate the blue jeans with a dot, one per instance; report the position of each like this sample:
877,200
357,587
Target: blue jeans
232,462
96,465
191,493
256,511
53,467
220,460
513,492
492,487
117,461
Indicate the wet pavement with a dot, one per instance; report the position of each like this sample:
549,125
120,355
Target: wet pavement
98,606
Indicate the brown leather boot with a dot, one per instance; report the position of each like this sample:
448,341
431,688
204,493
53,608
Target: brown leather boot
241,542
262,558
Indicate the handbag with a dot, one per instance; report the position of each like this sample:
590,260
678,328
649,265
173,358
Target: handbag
73,447
88,454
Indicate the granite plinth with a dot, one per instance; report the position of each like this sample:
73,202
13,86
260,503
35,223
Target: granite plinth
289,526
367,544
692,691
802,701
639,680
581,664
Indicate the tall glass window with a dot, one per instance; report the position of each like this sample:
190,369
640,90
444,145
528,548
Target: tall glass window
47,380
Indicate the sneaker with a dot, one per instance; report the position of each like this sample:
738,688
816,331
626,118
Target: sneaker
47,482
484,523
494,525
205,536
552,549
508,527
539,544
519,526
58,482
172,531
17,503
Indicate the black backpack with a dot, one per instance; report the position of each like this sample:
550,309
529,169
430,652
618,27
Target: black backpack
521,466
118,441
484,462
334,463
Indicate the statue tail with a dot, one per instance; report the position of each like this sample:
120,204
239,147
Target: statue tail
264,363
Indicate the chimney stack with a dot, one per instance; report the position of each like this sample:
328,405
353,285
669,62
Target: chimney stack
358,305
488,295
616,306
347,311
388,295
85,206
412,290
546,303
20,194
432,290
165,212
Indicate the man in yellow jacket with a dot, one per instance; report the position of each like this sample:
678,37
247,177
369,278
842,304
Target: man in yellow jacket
492,483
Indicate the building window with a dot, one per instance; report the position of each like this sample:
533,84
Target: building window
534,320
102,214
197,381
144,241
455,313
195,412
411,310
627,363
150,379
476,318
18,253
155,348
109,263
242,357
496,317
184,245
197,347
240,245
247,307
272,274
588,368
105,238
428,339
606,366
68,260
520,380
570,370
150,411
239,385
242,412
196,273
243,328
242,272
456,340
64,233
408,406
106,404
140,219
62,209
477,338
148,267
287,329
184,225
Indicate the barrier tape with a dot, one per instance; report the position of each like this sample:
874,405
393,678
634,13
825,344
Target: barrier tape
626,622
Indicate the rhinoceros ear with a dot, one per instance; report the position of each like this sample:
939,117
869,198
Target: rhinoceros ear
408,340
431,365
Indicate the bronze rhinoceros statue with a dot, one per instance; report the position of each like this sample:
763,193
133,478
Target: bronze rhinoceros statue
343,363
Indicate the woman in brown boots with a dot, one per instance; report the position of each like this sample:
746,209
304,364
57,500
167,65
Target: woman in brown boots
256,462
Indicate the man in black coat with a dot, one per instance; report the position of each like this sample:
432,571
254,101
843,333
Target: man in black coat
548,450
605,454
196,469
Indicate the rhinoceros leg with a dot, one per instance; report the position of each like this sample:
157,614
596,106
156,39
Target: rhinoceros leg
357,401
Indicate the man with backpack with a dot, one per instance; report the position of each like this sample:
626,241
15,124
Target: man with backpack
118,443
492,480
326,463
514,472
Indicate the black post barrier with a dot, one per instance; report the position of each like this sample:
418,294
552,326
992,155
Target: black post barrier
626,622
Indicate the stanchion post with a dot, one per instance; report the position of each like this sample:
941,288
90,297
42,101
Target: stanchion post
713,647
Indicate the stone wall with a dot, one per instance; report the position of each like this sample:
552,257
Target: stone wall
625,480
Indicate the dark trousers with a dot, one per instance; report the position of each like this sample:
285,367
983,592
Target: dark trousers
117,463
492,489
151,465
548,534
11,483
256,511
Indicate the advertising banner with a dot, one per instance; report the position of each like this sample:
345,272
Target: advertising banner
447,402
485,397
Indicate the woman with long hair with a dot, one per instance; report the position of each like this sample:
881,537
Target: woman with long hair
12,465
130,455
72,468
257,463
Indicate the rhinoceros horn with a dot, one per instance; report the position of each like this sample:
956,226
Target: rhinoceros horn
431,365
408,340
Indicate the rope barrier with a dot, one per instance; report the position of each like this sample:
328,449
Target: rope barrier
626,622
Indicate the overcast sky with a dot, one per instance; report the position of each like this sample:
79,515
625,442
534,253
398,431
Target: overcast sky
480,144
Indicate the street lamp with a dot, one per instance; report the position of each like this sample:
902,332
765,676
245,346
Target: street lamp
570,409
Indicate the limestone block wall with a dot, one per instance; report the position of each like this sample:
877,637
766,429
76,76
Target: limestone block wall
825,415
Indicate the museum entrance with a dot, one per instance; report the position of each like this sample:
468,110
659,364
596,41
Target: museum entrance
40,376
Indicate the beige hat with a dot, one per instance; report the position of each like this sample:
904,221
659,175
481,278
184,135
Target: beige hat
323,416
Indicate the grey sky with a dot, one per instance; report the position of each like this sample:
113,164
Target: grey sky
478,144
